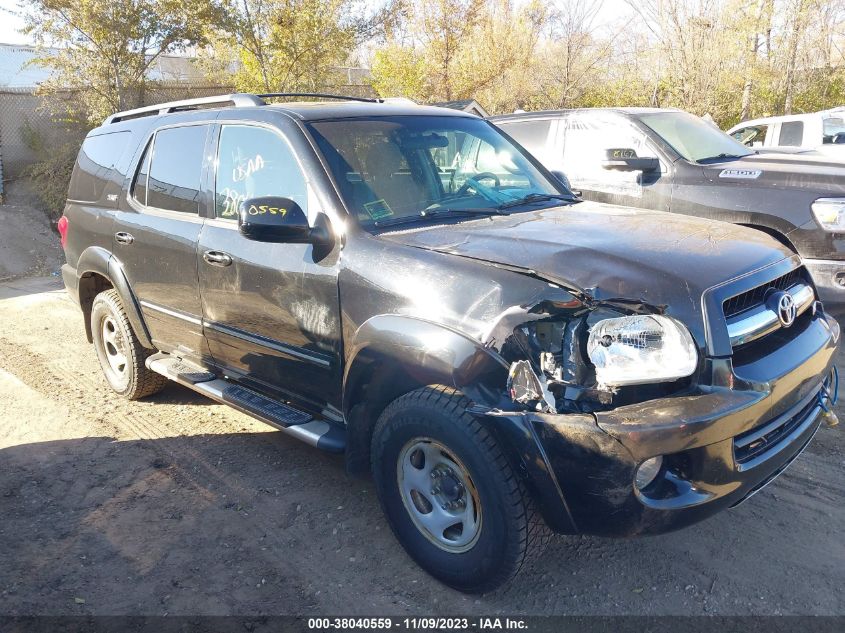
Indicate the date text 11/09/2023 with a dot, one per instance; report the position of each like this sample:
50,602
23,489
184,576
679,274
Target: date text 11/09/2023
418,623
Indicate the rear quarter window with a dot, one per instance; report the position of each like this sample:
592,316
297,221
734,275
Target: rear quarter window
531,135
791,133
95,165
175,169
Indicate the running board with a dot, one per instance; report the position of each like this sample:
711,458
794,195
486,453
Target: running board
299,424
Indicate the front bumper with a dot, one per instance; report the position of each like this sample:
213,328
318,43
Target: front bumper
829,277
720,444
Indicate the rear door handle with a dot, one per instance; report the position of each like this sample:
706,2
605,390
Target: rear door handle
217,258
122,237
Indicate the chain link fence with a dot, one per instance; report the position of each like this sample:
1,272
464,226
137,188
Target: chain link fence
24,115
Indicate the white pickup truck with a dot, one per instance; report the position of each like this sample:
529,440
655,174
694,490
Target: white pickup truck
821,131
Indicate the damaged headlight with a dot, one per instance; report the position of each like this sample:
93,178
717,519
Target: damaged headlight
635,350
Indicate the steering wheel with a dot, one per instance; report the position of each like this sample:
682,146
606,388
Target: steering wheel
472,182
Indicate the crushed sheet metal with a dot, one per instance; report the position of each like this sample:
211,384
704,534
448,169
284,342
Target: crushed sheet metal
525,386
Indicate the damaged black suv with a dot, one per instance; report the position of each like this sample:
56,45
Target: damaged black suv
407,286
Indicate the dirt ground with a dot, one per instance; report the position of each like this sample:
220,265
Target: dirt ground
29,246
177,505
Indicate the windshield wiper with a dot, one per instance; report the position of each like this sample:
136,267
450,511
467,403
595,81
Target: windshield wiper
535,197
433,214
721,157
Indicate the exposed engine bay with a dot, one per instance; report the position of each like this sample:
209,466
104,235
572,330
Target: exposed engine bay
554,347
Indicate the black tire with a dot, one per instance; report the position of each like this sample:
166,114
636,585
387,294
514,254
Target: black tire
510,531
135,380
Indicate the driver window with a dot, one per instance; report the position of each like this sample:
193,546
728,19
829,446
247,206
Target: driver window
586,142
252,162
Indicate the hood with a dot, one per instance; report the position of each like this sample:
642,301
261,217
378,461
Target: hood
610,252
823,173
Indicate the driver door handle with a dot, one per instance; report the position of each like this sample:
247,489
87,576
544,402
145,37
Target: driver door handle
217,258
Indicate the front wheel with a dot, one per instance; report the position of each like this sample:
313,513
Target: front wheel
449,494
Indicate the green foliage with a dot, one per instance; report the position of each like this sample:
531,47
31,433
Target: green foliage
459,49
285,45
725,58
397,70
103,50
51,171
106,47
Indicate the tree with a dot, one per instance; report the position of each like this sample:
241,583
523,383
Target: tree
760,15
448,50
288,45
573,54
796,29
104,48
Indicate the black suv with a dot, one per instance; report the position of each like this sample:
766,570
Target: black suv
405,285
670,160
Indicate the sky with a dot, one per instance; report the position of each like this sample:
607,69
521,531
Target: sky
10,23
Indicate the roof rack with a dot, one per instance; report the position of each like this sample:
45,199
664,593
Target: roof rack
320,95
236,99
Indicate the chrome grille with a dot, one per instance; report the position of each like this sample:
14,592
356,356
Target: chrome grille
749,317
756,296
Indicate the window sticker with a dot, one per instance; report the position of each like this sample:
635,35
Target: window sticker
378,210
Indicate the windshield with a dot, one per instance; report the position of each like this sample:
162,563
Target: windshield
693,138
392,169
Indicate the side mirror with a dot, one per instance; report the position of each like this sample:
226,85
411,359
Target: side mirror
272,219
626,159
565,181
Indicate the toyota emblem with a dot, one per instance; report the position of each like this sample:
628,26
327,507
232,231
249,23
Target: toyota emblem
786,309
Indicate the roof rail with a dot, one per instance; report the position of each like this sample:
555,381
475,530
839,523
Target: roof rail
237,99
320,95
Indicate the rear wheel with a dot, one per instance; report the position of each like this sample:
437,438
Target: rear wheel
449,494
119,351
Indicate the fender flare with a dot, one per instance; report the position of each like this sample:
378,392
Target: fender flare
429,350
774,226
96,260
392,354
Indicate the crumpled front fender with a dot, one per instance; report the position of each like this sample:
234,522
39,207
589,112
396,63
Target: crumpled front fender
429,351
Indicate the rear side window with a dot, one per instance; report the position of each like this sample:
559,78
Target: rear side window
791,133
170,172
531,135
95,165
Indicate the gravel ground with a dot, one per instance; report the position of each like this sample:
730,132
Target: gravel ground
29,246
177,505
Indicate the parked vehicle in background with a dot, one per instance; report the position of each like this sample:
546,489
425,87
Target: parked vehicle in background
502,357
821,131
670,160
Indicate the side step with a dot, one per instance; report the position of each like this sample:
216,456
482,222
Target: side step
299,424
